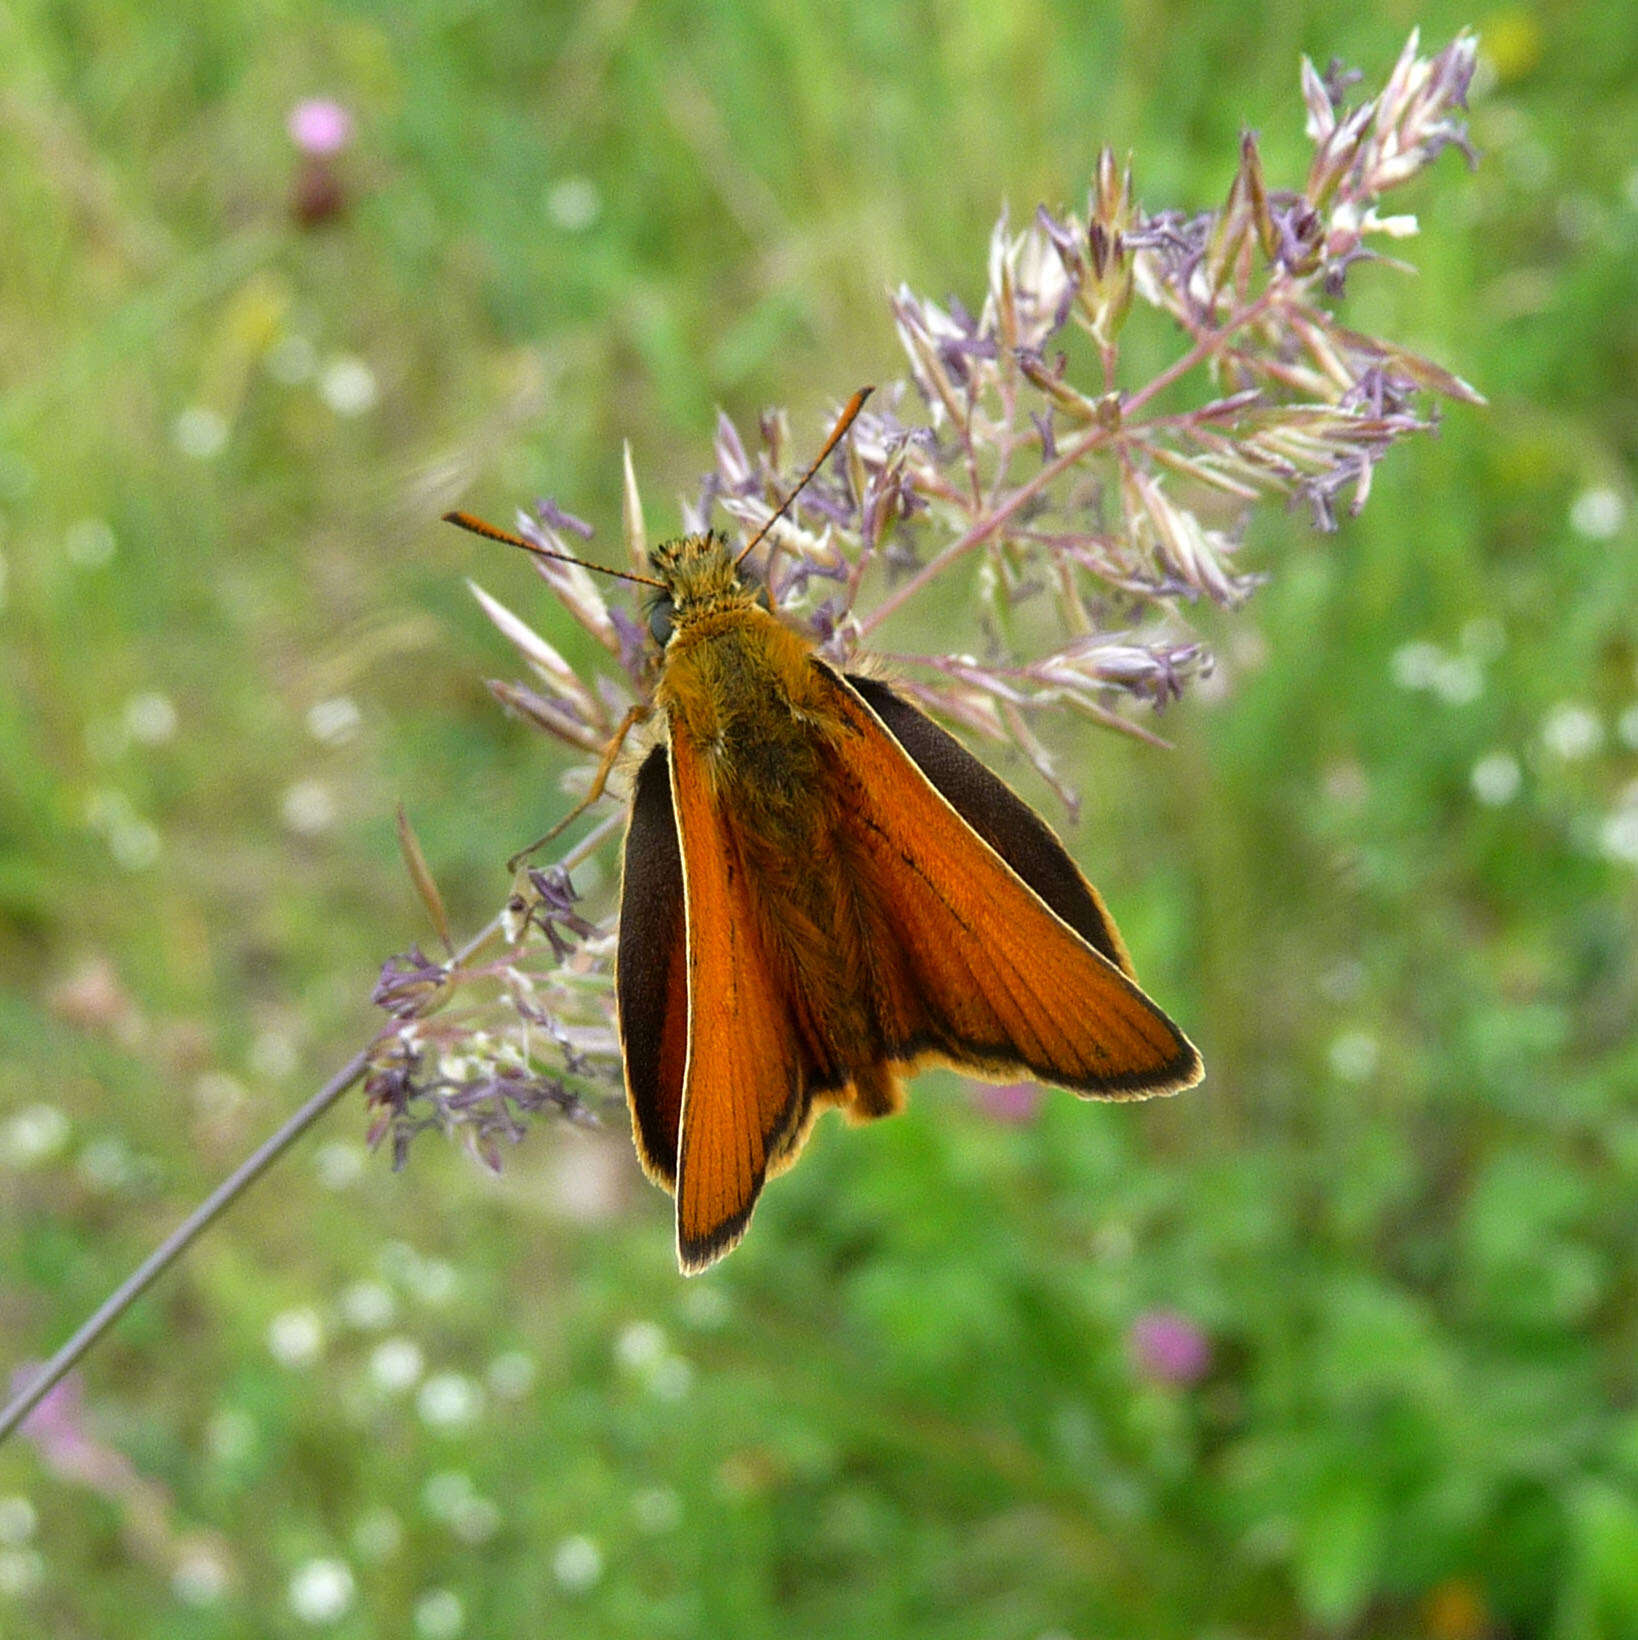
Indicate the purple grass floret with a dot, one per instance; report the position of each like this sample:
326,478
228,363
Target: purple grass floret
555,518
409,984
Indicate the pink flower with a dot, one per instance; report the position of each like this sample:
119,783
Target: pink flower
1169,1348
1013,1103
57,1429
319,126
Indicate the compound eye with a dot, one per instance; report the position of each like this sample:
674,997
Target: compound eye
659,621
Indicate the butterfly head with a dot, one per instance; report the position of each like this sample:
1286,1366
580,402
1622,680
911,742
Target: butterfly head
699,578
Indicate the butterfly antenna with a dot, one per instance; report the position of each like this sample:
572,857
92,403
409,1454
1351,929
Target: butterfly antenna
844,421
490,532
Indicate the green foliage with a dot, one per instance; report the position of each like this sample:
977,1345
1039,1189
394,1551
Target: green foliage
1386,887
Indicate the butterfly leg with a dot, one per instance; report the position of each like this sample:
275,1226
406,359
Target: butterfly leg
634,715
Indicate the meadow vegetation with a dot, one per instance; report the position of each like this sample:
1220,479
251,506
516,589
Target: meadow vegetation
1341,1342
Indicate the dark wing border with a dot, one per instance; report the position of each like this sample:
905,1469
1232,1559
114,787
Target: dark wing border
651,954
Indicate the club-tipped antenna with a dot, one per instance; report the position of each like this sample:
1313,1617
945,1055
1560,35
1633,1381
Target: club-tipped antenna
491,532
844,421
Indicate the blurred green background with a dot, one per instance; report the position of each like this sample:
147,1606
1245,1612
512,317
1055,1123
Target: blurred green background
1344,1342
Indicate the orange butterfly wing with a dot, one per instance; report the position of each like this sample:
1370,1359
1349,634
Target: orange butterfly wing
744,1096
997,982
1002,818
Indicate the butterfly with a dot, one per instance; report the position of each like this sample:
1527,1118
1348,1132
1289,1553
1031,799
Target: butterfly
822,892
